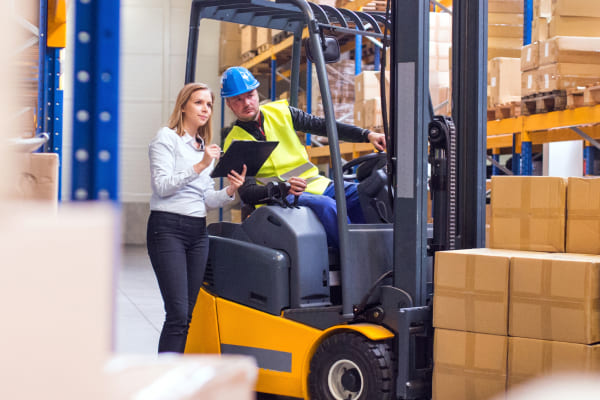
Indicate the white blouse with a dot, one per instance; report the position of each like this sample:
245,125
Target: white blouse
176,187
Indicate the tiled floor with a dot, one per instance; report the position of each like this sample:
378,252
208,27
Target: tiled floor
139,307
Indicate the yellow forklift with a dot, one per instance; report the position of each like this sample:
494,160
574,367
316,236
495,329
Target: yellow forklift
354,322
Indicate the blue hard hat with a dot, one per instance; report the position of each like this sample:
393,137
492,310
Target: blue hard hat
237,80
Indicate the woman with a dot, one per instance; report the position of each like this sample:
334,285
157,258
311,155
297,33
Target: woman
181,159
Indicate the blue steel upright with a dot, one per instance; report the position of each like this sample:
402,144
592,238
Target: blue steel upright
54,110
526,166
96,101
42,101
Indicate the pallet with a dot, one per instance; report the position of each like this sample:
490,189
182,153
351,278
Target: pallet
583,97
508,110
263,48
280,37
248,55
503,111
540,103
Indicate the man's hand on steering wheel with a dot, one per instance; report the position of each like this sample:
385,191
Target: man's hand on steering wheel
377,140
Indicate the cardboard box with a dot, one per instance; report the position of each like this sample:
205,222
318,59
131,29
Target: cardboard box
230,47
542,8
570,49
562,76
574,26
505,6
528,213
468,366
175,377
505,19
503,79
529,82
372,114
530,57
37,178
359,114
366,86
248,39
554,297
539,29
531,358
576,8
583,215
471,290
504,47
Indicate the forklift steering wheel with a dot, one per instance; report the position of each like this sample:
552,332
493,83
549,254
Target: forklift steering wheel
358,162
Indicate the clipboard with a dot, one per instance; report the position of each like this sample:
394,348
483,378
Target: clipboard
249,152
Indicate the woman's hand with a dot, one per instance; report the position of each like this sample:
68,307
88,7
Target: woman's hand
235,181
211,152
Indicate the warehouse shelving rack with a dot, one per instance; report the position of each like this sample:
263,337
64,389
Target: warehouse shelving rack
522,133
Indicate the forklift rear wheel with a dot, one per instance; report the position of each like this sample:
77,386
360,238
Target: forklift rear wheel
348,366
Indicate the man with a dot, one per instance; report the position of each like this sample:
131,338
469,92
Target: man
277,121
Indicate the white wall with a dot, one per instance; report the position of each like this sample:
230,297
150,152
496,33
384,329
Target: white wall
154,36
153,50
563,158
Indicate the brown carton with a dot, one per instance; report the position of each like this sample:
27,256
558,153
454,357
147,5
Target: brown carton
471,290
576,8
583,215
529,83
468,366
366,86
570,49
530,57
555,297
542,8
562,76
531,358
37,178
528,213
359,114
372,110
503,79
504,47
505,6
231,45
248,39
539,29
574,26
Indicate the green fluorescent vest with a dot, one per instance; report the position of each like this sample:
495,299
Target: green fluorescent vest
289,158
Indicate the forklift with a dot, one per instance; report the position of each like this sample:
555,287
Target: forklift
353,322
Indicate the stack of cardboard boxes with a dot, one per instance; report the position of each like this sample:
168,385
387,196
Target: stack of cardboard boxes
341,86
564,50
505,28
440,42
527,306
505,39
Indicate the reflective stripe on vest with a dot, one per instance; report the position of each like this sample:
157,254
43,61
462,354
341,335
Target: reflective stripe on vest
289,158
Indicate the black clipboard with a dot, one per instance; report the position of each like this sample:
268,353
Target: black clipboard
249,152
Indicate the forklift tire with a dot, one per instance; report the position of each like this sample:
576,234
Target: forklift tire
348,366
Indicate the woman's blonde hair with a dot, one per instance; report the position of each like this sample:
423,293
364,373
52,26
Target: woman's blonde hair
176,118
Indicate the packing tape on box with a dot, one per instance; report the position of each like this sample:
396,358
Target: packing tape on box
525,213
547,302
469,293
470,370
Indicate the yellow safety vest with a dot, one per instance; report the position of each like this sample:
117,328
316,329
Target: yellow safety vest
289,158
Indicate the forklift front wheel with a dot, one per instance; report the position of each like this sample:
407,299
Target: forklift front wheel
350,366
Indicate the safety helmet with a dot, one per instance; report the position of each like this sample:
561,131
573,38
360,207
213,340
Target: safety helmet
237,80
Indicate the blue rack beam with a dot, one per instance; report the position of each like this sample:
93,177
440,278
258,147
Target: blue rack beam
96,99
